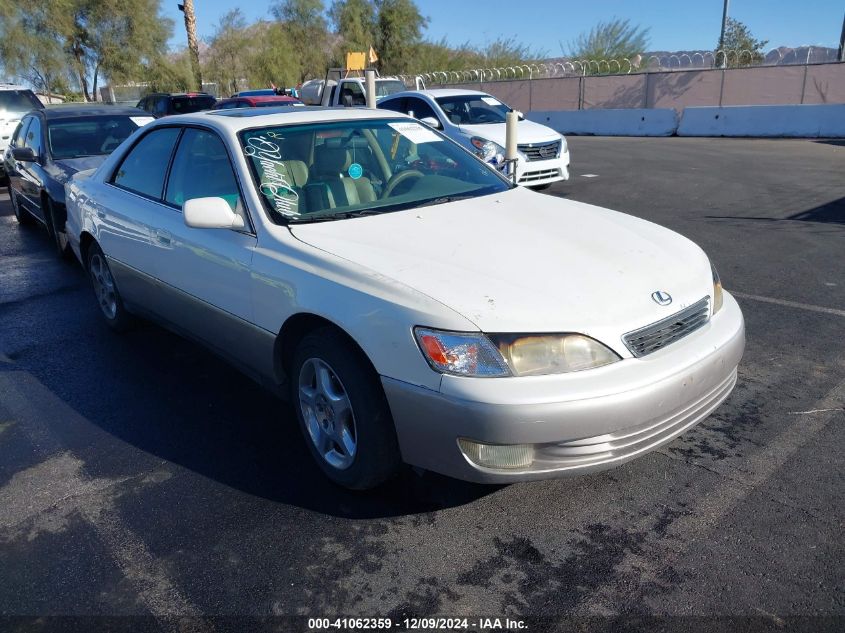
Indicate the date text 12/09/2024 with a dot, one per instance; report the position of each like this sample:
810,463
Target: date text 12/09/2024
417,624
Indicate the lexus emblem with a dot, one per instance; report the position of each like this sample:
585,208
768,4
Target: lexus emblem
661,298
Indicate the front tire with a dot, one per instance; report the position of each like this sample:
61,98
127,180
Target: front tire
57,233
21,215
105,289
342,411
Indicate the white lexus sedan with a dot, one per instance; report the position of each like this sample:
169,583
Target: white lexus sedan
413,305
476,121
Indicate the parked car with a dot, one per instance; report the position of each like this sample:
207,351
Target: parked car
49,146
413,304
476,120
15,101
259,92
165,104
259,101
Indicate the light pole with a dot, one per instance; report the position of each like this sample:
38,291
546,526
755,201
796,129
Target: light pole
187,7
722,35
841,56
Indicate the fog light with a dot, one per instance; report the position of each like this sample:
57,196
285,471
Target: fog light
508,456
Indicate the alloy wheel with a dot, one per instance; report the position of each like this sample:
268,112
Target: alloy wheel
327,412
103,286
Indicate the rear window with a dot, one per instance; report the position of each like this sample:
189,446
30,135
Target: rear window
89,136
19,101
185,105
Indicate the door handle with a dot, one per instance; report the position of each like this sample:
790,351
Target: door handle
163,237
101,214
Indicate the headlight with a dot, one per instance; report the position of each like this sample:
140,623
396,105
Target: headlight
486,150
717,290
461,354
552,353
563,146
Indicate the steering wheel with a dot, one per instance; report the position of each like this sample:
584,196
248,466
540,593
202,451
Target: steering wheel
109,145
397,179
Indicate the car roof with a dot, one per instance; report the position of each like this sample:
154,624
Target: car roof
177,94
438,92
263,98
243,118
76,110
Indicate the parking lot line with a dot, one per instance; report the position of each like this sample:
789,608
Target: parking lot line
789,304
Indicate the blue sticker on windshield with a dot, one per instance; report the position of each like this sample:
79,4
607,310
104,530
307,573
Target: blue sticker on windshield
355,171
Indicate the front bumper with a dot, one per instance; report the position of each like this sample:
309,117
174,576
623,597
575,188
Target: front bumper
578,422
542,172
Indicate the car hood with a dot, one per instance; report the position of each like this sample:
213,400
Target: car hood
62,170
523,262
526,132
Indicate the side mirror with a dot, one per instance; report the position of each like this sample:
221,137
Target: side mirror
519,115
432,121
210,213
24,155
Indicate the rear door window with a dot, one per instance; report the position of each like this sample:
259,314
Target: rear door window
142,170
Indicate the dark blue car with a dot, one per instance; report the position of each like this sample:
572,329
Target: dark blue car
50,146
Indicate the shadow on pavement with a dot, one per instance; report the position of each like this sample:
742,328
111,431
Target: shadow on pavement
829,213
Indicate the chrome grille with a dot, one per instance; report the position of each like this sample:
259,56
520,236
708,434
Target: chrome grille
543,174
666,331
540,151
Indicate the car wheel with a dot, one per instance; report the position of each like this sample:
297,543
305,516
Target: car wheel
58,234
105,289
541,187
21,215
343,412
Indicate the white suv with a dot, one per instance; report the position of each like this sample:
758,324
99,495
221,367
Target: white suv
15,101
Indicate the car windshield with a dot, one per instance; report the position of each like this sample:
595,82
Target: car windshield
186,105
89,136
473,109
19,101
386,87
329,171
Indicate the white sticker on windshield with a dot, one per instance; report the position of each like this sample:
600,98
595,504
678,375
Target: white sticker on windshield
415,132
141,121
491,101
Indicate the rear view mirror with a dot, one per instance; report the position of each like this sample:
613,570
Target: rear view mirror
210,213
24,155
433,122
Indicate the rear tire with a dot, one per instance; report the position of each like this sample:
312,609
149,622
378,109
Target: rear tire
342,411
105,289
21,215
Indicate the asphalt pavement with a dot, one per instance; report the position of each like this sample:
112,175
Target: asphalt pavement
141,476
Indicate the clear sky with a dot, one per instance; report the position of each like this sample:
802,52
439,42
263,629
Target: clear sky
544,24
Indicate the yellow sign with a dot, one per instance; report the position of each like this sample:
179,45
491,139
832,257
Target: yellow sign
356,61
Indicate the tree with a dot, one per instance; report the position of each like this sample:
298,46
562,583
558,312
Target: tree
399,26
307,31
49,39
28,50
227,62
616,39
355,22
740,47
